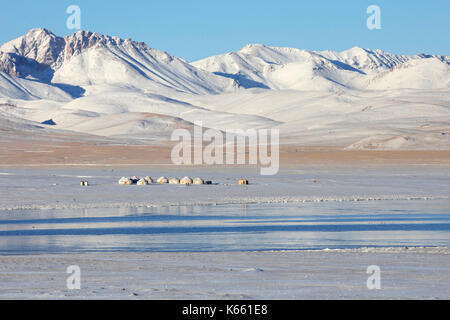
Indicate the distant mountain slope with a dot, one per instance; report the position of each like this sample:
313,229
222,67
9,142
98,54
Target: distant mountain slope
431,73
279,68
366,60
287,68
86,58
19,88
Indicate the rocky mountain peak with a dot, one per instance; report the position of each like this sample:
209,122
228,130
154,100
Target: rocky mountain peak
40,45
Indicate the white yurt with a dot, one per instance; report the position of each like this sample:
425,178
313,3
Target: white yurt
186,180
163,180
148,179
198,181
174,181
142,182
125,181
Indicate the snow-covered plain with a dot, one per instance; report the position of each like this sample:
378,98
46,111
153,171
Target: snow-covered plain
60,188
416,273
411,273
28,195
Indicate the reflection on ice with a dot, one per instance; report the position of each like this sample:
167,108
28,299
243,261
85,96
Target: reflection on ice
228,227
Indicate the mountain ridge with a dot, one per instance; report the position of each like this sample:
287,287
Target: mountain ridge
257,63
103,85
51,57
43,56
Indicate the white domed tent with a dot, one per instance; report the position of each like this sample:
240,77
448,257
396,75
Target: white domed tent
198,181
148,179
174,181
186,180
125,181
142,182
163,180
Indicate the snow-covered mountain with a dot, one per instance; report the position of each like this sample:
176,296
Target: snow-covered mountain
368,61
278,68
262,66
25,89
429,73
107,86
86,58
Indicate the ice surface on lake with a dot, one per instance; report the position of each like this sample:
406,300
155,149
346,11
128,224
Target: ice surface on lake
46,210
235,227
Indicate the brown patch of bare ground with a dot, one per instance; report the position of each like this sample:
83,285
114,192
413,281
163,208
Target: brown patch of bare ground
28,150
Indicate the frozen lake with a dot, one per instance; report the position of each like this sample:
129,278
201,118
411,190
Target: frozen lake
228,227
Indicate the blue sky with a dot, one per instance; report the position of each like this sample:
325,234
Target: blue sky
201,28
